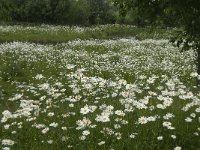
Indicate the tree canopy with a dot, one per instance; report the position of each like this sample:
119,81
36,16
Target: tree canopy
71,12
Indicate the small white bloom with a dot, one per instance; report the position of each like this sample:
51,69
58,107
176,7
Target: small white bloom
13,132
50,141
71,105
64,138
173,136
132,136
167,124
142,120
5,148
193,115
177,148
6,127
39,76
7,142
196,133
188,119
101,143
86,132
120,113
160,138
102,118
53,124
45,130
85,110
64,128
50,114
194,74
82,138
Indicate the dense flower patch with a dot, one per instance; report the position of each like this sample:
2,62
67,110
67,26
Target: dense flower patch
99,94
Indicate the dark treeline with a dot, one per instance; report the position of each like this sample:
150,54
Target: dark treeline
73,12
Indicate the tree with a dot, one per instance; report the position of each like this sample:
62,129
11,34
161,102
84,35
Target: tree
186,12
5,10
79,13
59,10
99,11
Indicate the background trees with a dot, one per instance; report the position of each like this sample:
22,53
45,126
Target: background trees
86,12
185,13
5,10
75,12
38,11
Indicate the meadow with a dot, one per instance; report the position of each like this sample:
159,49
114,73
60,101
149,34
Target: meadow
107,88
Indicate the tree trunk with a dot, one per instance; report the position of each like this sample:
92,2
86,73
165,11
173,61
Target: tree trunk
54,5
198,67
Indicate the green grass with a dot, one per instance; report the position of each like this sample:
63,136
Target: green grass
110,62
41,34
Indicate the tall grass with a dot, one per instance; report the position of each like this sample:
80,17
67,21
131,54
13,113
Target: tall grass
59,34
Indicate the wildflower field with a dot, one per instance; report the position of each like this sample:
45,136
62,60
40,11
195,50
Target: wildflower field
90,93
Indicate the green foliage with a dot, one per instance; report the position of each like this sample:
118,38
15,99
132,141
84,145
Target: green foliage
43,11
185,12
5,10
146,12
99,11
80,12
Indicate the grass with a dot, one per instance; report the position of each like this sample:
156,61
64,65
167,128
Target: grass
45,86
59,34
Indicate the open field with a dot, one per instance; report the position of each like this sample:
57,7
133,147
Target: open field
112,92
57,34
